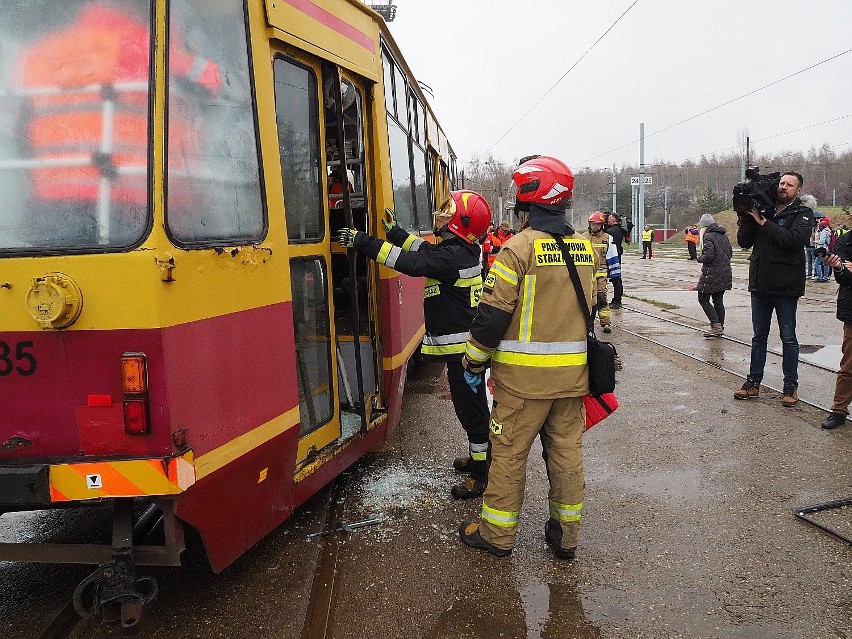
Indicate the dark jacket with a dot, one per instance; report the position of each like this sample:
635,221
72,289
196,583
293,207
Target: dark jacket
777,260
715,261
618,236
453,284
843,249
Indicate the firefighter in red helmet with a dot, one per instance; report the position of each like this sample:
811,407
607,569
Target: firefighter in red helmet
453,287
600,240
531,326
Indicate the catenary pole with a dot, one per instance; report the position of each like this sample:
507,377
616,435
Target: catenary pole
613,189
641,224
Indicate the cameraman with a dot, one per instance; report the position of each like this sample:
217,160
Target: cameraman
843,384
776,281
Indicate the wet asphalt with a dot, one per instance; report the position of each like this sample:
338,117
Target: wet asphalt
688,527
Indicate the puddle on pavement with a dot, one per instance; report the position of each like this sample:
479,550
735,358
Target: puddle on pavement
828,356
555,610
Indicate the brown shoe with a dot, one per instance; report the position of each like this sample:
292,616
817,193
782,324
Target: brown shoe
750,389
791,397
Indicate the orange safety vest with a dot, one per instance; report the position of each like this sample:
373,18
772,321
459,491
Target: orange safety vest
68,75
495,240
690,236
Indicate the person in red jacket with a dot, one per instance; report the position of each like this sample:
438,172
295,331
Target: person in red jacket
494,241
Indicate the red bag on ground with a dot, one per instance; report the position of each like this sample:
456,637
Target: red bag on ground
599,407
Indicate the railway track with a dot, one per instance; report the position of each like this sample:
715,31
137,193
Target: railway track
825,374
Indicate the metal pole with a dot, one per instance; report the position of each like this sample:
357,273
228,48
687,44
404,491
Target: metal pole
665,213
613,189
641,224
634,212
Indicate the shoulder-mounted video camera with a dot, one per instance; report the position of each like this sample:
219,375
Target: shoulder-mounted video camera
758,191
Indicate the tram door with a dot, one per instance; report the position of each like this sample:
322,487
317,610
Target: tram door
320,118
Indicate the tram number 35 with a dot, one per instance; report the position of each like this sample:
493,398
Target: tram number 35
21,361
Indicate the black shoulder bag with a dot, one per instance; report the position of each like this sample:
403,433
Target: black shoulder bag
600,355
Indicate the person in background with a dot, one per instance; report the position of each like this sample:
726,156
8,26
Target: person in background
810,201
647,239
601,241
716,276
691,233
494,241
453,287
539,363
825,240
776,281
615,230
842,268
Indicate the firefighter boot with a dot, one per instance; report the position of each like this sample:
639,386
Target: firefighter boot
469,533
553,537
471,487
463,464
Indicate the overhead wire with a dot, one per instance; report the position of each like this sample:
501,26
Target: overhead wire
719,106
562,77
770,137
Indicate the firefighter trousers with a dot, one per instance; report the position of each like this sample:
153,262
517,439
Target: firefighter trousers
472,410
515,423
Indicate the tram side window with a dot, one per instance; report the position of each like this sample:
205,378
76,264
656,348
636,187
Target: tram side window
401,175
421,187
313,341
214,185
74,114
387,70
297,112
401,90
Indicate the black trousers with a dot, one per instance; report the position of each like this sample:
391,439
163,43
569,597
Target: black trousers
471,409
693,251
714,311
617,291
646,250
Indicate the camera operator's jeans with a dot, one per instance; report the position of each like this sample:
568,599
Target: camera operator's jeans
809,260
761,317
823,270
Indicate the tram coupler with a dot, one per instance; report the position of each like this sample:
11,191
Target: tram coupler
113,591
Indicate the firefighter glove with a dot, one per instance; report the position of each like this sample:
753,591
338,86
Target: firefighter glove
346,237
473,380
389,220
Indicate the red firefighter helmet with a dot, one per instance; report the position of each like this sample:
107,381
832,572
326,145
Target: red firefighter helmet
471,215
544,180
597,218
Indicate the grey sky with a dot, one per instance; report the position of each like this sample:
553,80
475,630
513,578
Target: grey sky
489,61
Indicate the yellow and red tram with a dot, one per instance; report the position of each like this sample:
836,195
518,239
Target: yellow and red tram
175,322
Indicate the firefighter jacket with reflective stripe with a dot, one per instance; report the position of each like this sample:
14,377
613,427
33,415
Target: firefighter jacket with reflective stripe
530,323
88,87
600,243
453,284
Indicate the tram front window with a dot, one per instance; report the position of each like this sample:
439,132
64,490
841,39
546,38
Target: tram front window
214,189
74,113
